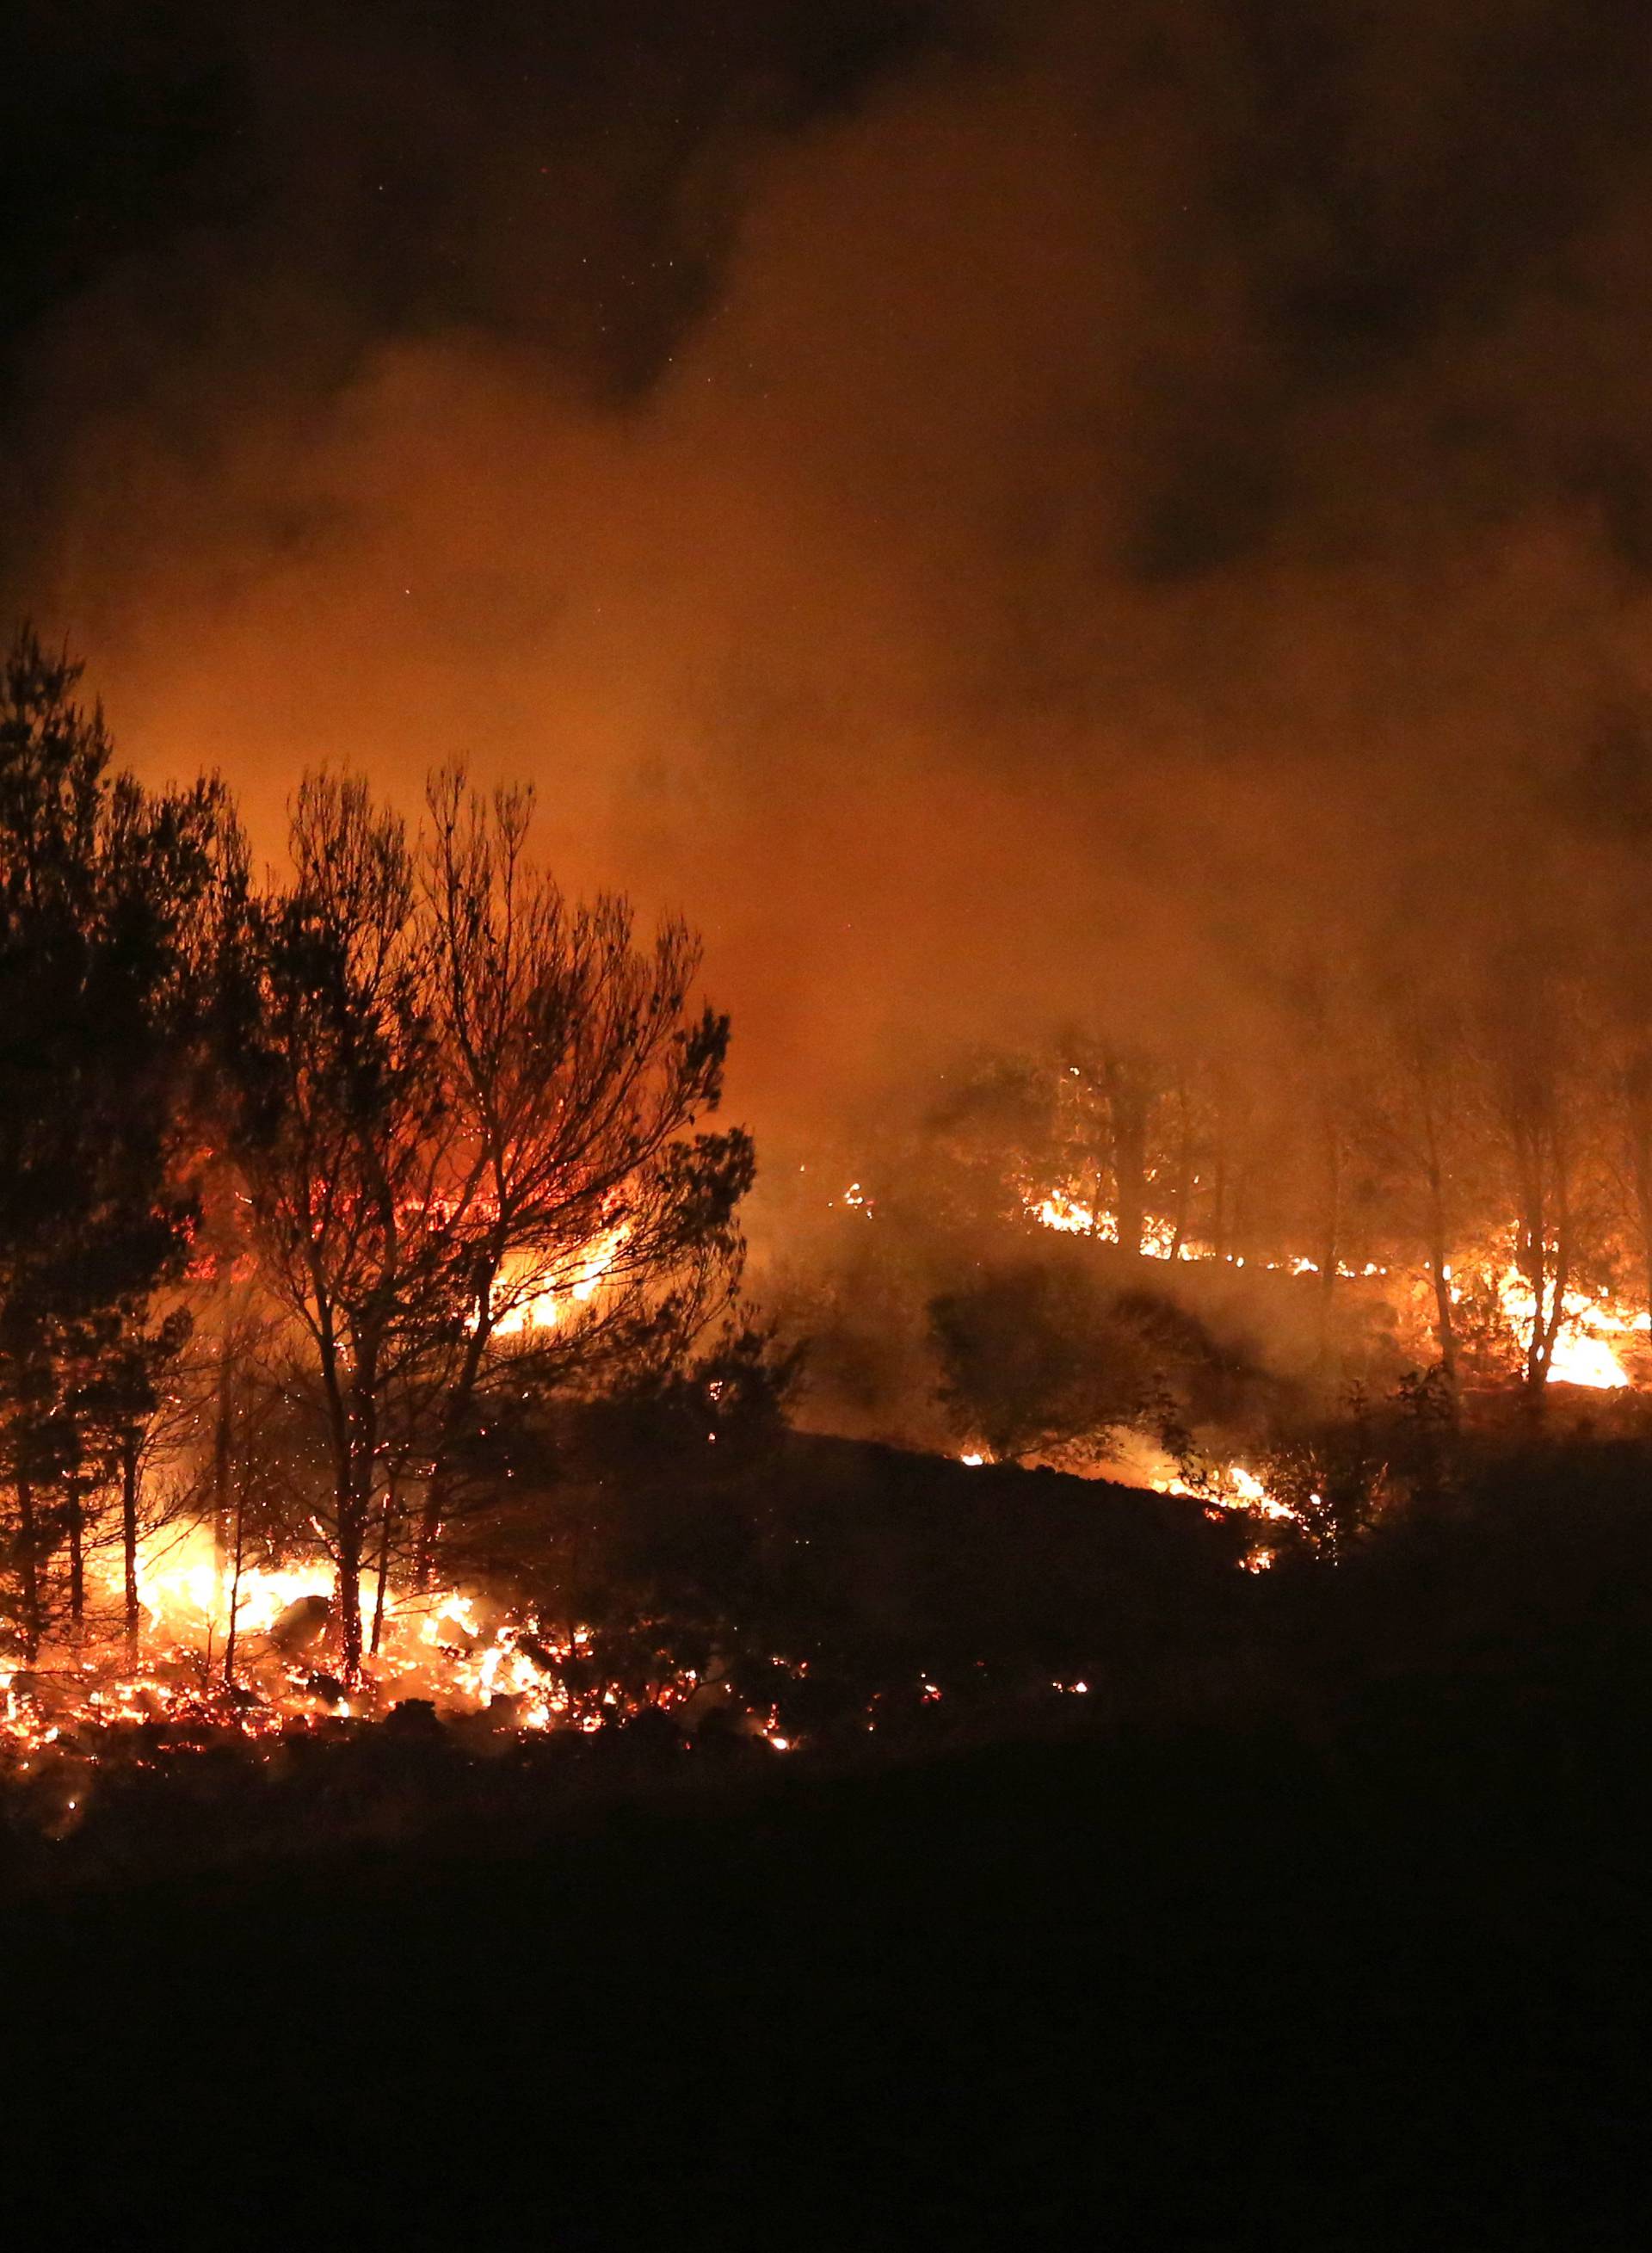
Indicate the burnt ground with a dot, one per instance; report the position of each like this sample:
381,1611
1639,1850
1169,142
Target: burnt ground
1361,1965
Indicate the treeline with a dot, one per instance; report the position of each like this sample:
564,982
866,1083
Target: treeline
1441,1127
310,1184
1410,1168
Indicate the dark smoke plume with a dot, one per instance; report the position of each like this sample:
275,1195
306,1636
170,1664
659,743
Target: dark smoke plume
1002,513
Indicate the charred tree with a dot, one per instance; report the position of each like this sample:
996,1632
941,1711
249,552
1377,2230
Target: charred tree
1130,1094
74,1520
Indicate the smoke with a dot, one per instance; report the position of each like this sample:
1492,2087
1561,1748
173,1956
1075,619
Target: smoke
1000,518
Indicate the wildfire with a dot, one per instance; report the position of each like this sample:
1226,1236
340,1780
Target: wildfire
1233,1486
187,1590
528,1300
1071,1218
1584,1352
1242,1489
455,1649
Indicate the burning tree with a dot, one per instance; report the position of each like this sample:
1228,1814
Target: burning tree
590,1225
1543,1103
463,1114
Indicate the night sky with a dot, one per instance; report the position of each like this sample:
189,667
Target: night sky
984,506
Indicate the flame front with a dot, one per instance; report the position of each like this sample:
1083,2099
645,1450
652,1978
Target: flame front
1584,1351
455,1647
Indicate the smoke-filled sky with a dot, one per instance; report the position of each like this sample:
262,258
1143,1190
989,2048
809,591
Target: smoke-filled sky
1000,511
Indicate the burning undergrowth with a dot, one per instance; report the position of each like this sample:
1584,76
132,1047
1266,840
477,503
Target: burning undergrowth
252,1654
863,1602
465,1703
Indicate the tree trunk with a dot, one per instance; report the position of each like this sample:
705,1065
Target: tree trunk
223,1454
352,1519
1559,1281
76,1495
236,1560
129,1541
354,1429
430,1531
350,1608
1445,1321
384,1566
1127,1104
1439,1243
1184,1170
1541,1178
29,1571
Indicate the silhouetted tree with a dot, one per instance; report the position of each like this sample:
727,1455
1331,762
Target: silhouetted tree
1533,1037
341,1137
589,1224
463,1114
108,894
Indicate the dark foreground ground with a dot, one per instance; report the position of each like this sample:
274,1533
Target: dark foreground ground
1209,1992
1349,1949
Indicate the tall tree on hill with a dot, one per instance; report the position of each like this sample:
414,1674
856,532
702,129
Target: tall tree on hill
463,1115
1323,1100
339,1131
592,1226
1535,1041
1426,1133
1132,1093
108,897
1108,1095
1634,1092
